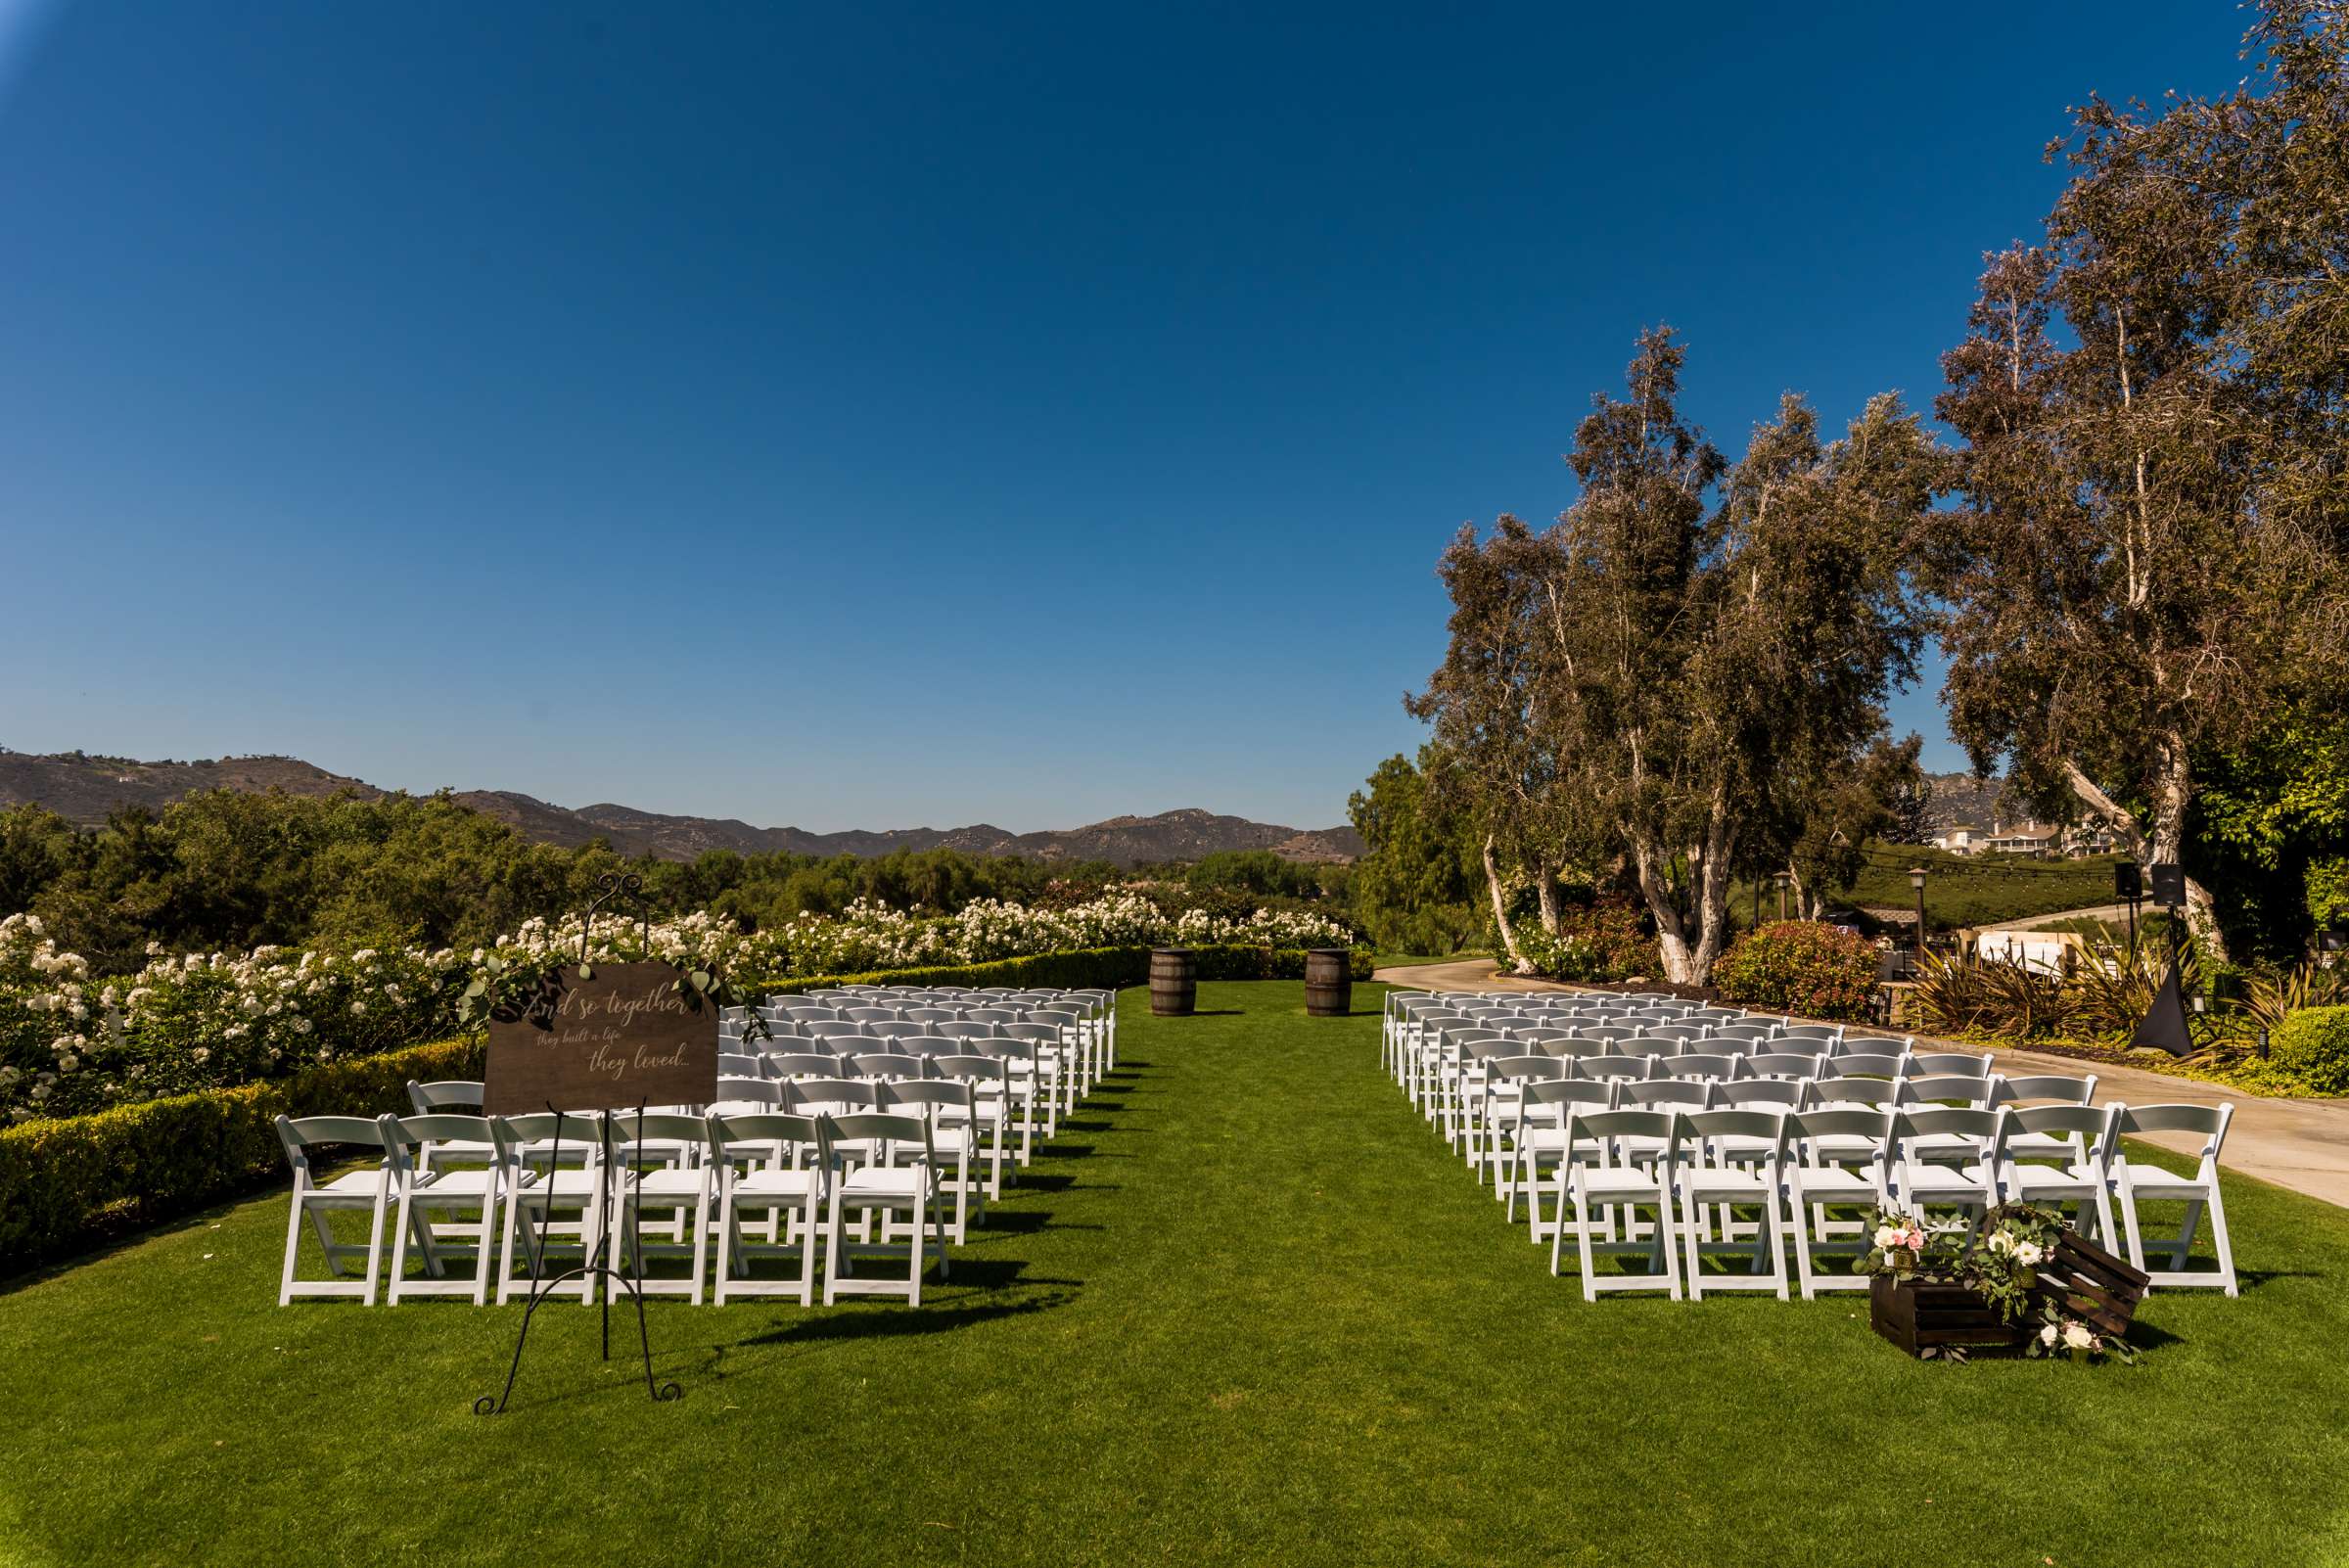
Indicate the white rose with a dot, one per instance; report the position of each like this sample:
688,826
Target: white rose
1887,1237
2077,1336
2047,1335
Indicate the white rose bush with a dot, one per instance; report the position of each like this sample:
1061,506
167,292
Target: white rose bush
72,1044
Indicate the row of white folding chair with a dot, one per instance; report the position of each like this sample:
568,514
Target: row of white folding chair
896,1165
1457,1070
1425,1032
1059,1052
1080,1049
1793,1167
1519,1121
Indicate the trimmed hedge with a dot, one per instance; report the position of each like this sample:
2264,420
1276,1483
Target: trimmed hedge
69,1181
1089,968
2312,1046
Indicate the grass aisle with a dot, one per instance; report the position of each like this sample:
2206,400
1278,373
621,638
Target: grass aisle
1244,1311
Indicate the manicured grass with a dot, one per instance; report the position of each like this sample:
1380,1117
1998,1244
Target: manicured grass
1960,889
1246,1312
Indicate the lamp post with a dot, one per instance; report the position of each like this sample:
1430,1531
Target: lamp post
1917,880
1782,879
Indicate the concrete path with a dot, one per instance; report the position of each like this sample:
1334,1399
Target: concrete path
2300,1144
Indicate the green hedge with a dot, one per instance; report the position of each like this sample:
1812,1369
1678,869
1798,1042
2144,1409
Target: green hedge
2312,1046
68,1182
1102,968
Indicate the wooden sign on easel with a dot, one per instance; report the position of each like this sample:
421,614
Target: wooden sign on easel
626,1036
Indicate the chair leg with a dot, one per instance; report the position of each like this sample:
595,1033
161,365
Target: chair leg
285,1283
375,1244
700,1240
2185,1247
832,1250
2218,1236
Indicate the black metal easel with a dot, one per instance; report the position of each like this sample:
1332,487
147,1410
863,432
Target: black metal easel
595,1261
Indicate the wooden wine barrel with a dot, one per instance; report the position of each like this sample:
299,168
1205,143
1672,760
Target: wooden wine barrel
1173,982
1328,983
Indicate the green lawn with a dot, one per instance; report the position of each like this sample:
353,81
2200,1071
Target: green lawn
1960,889
1248,1312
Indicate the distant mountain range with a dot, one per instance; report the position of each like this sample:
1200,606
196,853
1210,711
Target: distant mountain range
1960,800
86,788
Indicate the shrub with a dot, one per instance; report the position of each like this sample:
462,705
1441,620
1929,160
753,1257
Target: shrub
2312,1047
1598,941
1800,966
66,1182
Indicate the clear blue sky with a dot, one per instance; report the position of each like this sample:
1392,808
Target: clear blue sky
853,416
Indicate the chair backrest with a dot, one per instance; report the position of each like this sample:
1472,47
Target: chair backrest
1568,1091
888,1064
1679,1094
415,1132
1516,1068
1541,1033
932,1015
737,1065
1697,1127
891,1129
1782,1091
1611,1069
1743,1029
1723,1066
1874,1044
2210,1121
445,1095
1597,1130
1830,1090
1944,1121
833,1028
2094,1127
1866,1066
1651,1045
1961,1088
307,1132
804,1064
924,1098
1821,1034
1815,1128
1948,1063
988,1070
731,1138
646,1126
811,1096
2050,1088
1605,1032
1789,1065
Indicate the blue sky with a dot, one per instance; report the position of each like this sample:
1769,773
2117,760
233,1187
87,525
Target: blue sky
878,416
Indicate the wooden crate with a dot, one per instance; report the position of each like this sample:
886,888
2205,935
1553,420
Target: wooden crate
1918,1316
2091,1285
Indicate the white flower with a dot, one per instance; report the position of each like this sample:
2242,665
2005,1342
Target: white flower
2027,1253
1999,1241
1887,1237
2047,1335
2076,1335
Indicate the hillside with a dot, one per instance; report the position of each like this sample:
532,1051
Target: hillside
85,787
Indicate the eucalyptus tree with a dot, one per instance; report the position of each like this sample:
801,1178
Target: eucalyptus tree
1714,663
1494,760
2151,409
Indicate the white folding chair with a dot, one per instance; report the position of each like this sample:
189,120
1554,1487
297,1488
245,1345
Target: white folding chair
449,1190
538,1201
2077,1171
905,1182
2134,1182
780,1166
1593,1176
1839,1161
370,1188
1728,1160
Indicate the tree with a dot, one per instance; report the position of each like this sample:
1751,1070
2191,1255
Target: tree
1496,760
1711,666
2151,406
1869,798
1415,887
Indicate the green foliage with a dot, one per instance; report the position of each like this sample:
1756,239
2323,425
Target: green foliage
2313,1048
1102,968
1799,966
231,870
1605,940
1964,890
1419,885
1257,873
66,1183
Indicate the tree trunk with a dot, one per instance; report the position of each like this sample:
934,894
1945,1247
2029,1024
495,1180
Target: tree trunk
1690,938
1500,912
2165,841
1548,889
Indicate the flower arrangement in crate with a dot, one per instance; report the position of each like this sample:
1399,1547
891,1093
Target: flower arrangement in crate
1980,1284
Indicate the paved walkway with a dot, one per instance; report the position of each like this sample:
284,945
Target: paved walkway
2300,1144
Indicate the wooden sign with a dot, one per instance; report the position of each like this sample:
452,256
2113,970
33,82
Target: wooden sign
622,1038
